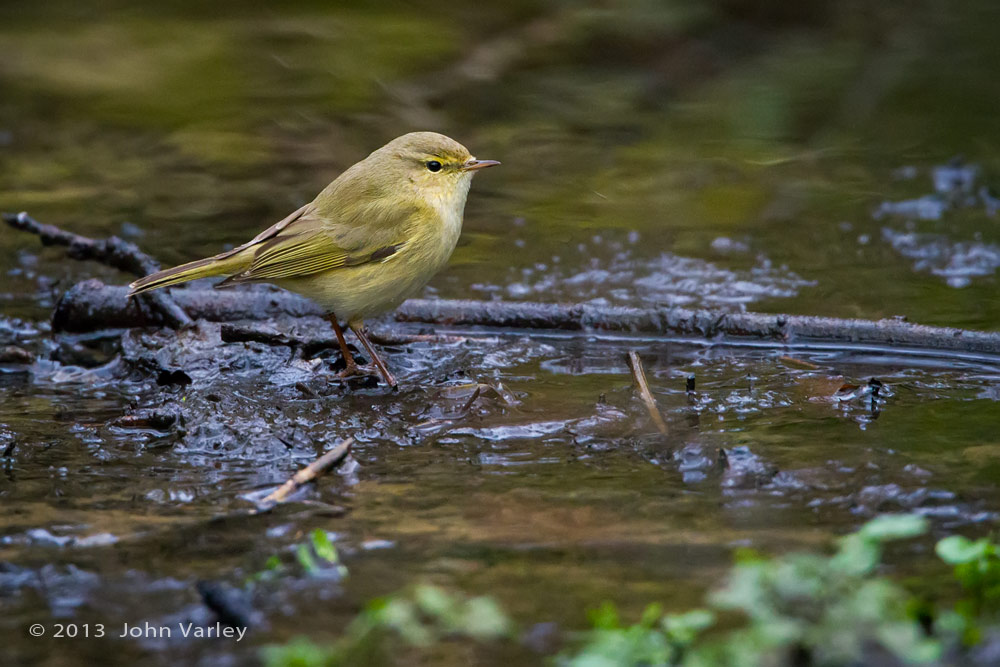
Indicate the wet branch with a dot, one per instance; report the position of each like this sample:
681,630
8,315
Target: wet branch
92,305
256,332
639,375
113,251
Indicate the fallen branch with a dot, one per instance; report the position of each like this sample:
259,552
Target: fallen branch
254,332
308,474
114,252
91,306
639,375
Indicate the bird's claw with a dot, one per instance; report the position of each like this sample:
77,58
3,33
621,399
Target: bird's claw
354,370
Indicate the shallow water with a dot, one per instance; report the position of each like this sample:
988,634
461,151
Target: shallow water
729,155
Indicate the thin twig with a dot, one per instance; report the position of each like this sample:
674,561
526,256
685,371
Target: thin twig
308,474
114,252
639,375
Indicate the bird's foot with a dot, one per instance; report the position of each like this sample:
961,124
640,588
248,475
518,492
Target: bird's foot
354,370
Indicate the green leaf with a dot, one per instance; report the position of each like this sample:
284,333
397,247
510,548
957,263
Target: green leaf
305,557
605,616
272,568
651,614
857,555
952,623
435,602
299,652
957,549
401,615
894,527
324,547
684,628
484,620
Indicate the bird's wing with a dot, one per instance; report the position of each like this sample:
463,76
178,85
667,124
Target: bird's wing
305,243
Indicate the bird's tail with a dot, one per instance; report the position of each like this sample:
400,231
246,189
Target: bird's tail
225,264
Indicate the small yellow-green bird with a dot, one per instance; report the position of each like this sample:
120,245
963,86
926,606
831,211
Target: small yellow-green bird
369,240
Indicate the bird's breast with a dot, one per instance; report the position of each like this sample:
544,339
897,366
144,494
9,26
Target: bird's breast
435,238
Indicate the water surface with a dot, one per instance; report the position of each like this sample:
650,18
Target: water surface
726,155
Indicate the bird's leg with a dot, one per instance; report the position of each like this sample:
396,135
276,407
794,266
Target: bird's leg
351,367
359,331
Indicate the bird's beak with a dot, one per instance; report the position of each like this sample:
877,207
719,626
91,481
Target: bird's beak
474,164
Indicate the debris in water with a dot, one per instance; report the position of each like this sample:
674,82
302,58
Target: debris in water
306,475
639,375
801,364
157,419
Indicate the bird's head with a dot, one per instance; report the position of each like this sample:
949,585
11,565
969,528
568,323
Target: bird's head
420,169
434,165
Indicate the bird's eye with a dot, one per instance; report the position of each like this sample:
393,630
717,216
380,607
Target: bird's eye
433,165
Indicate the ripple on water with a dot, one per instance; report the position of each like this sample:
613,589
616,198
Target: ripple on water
667,279
956,192
958,262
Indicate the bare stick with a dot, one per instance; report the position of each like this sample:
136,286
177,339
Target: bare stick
114,252
91,306
639,375
309,473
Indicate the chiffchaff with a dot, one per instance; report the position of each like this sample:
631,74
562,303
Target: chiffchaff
369,240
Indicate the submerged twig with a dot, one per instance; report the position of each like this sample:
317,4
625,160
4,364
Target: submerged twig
113,251
308,474
639,375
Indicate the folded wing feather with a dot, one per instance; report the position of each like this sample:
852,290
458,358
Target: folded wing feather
306,244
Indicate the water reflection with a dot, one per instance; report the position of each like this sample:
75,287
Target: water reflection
764,155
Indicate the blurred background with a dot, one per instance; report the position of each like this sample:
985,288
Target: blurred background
701,152
831,157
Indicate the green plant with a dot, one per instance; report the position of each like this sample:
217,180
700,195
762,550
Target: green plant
420,617
977,569
823,609
272,568
657,639
799,608
319,555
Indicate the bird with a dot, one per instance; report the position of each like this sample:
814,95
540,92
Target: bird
371,239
